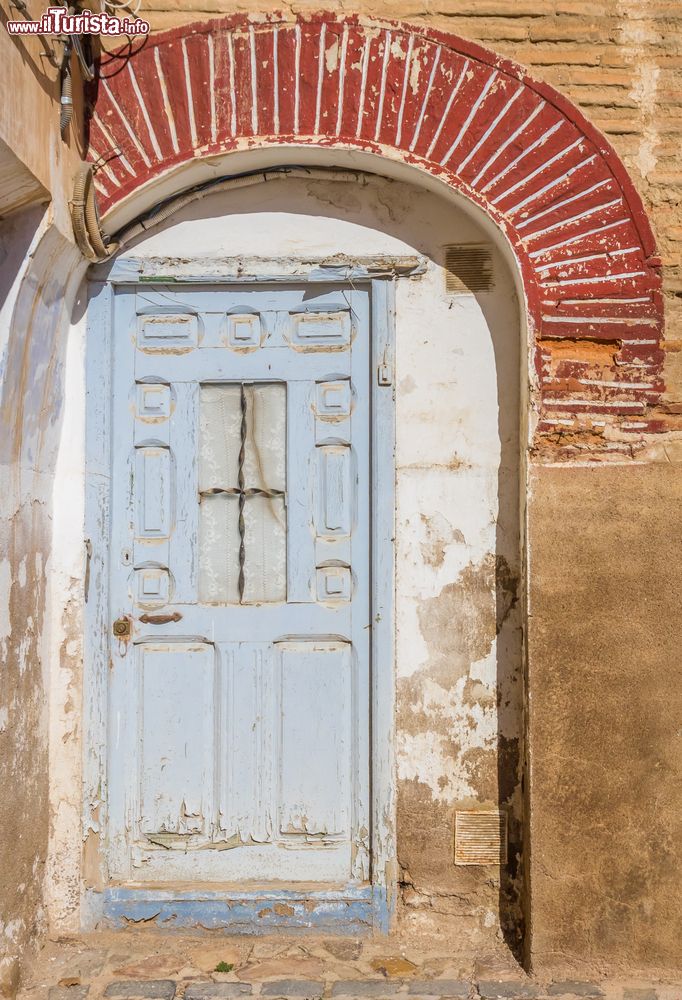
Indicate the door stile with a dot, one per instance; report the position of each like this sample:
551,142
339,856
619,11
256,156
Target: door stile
382,569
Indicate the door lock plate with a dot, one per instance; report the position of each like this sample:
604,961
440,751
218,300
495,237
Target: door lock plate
122,628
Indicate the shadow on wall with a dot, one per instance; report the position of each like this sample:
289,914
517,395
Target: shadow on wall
509,628
480,273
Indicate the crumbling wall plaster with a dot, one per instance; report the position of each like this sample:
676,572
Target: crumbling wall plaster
33,320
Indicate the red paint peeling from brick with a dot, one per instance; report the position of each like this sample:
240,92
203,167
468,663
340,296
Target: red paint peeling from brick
514,146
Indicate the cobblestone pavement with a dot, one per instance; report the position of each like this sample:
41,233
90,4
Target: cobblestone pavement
140,966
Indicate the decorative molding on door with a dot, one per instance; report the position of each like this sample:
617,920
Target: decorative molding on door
477,122
350,908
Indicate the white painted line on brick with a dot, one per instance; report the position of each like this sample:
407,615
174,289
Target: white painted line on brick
342,77
406,80
591,301
538,170
211,84
363,87
275,73
114,146
166,100
549,187
297,75
100,187
145,113
574,260
488,164
102,167
233,91
564,201
602,320
580,236
646,386
254,80
190,96
126,124
594,280
382,87
593,404
320,77
420,120
491,128
470,117
526,152
574,218
453,95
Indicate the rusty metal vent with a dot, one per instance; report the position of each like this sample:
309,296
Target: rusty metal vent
480,837
468,268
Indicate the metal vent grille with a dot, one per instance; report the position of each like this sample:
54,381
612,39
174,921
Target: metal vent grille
468,268
480,837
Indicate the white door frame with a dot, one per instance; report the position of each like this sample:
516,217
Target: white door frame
347,909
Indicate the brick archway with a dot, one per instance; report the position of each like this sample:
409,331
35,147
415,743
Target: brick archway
515,147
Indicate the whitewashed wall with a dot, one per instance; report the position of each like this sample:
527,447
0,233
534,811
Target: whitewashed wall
457,410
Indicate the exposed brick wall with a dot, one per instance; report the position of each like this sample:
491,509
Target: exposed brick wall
619,61
601,398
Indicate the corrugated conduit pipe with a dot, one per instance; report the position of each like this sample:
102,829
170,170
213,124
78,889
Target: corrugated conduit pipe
91,241
66,101
96,246
163,212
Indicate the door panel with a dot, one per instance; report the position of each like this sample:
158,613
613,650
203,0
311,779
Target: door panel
316,712
239,708
177,724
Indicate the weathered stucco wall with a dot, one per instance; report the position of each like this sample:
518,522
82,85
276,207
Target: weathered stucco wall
32,337
603,800
36,162
37,261
605,708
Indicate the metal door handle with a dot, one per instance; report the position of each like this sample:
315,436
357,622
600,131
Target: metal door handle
160,619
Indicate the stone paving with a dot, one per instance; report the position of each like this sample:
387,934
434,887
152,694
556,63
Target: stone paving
142,966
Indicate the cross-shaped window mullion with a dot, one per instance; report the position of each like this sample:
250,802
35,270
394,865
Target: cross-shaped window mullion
241,491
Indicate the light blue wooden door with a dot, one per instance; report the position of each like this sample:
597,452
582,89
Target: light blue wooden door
239,706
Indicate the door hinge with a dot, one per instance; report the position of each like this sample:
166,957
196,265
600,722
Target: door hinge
86,577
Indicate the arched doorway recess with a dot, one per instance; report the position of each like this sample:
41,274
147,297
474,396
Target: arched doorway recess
324,91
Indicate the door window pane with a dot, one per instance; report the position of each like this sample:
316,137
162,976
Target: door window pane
242,493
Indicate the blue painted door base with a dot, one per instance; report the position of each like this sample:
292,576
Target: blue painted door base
353,911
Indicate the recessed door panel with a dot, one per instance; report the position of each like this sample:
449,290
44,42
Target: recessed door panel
177,740
316,712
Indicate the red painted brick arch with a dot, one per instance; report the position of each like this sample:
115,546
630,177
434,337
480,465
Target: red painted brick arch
512,145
